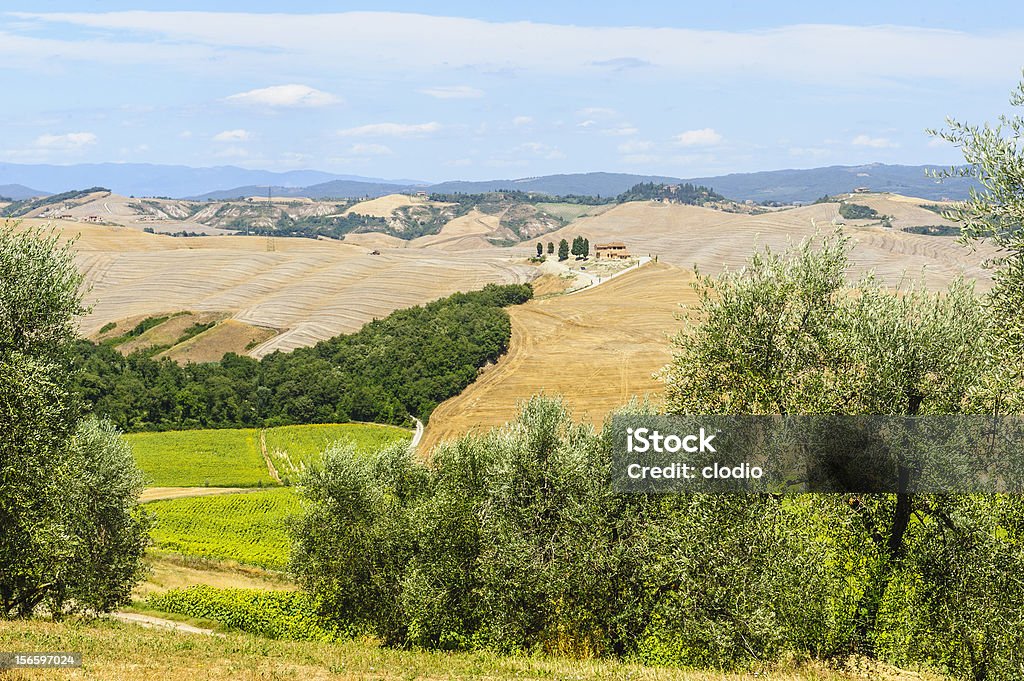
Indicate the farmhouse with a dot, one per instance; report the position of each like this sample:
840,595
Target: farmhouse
613,250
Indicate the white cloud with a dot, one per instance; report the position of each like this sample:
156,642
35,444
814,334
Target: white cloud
66,142
939,142
452,92
407,42
391,130
459,162
873,142
705,137
506,163
370,150
635,146
520,121
292,95
587,123
621,131
237,135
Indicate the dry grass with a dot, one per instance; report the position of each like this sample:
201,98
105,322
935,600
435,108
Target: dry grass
384,206
312,290
549,284
229,335
160,493
166,333
115,651
466,232
597,348
904,210
375,240
170,571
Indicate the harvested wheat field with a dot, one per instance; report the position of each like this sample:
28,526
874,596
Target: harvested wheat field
309,289
689,236
597,348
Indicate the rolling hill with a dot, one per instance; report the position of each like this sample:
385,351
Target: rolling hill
255,295
597,348
601,346
306,290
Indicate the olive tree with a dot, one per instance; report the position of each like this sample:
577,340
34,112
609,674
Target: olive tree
72,536
994,212
788,335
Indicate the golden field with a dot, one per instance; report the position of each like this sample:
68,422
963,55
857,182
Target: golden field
597,348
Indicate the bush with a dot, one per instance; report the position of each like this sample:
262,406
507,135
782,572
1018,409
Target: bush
514,541
855,211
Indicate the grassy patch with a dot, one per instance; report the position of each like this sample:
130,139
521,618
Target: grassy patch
294,448
201,458
247,527
126,652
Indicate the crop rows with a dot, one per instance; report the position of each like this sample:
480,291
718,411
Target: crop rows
247,527
295,448
201,458
274,614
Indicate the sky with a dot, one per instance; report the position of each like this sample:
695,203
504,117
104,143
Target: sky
471,90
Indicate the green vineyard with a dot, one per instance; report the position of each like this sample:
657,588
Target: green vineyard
295,448
274,614
201,458
249,527
233,457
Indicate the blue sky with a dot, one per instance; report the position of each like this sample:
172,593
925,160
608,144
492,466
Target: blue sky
468,90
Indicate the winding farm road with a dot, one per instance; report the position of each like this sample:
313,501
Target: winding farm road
161,623
418,435
597,281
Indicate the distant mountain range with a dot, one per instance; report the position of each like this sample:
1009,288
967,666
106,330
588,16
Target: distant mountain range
146,179
18,192
225,182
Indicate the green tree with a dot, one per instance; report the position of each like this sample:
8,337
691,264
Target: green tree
586,248
67,540
563,250
540,249
551,247
577,246
995,213
787,335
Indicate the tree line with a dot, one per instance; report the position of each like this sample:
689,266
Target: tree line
393,368
580,248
